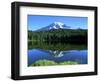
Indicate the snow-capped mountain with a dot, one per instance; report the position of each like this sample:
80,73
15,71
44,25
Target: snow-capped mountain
55,25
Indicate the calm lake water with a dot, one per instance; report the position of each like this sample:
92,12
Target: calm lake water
58,53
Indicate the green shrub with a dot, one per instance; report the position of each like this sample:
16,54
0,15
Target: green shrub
68,63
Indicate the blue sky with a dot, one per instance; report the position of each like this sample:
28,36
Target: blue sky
38,21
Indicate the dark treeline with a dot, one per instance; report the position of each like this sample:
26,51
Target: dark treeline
59,36
79,39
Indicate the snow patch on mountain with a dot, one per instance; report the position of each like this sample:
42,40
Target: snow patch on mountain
60,24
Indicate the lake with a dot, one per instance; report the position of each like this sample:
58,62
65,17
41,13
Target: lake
57,53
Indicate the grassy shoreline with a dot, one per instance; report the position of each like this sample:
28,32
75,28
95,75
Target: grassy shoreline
45,62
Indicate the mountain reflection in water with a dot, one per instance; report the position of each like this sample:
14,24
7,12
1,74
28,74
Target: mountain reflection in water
57,56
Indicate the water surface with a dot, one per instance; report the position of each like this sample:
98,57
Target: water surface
58,53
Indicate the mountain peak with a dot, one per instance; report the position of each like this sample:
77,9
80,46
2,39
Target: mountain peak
55,25
59,23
